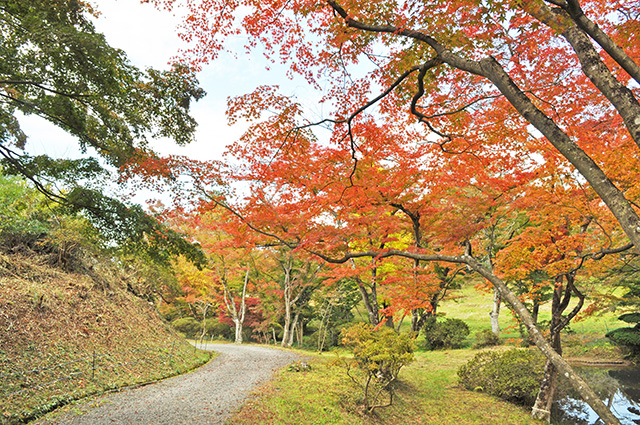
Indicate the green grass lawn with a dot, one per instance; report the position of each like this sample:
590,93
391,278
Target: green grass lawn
427,394
585,337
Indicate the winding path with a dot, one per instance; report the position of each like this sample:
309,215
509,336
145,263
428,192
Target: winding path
207,395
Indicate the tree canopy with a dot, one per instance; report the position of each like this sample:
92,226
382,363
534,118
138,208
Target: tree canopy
56,66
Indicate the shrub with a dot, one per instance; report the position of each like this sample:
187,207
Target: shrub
378,357
486,338
513,375
189,326
628,338
299,366
447,334
218,329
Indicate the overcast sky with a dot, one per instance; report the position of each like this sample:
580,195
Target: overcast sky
150,39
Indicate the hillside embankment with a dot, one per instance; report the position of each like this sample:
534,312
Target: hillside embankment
65,335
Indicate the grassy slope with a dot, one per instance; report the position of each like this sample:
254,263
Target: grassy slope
49,317
428,392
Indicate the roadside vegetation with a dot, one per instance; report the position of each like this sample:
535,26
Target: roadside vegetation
76,317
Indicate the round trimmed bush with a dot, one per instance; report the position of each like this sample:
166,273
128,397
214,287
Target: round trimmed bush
513,375
450,333
486,338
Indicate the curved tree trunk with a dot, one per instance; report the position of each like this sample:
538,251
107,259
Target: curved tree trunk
561,365
370,301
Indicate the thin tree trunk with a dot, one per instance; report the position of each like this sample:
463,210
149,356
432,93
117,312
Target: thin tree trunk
324,323
229,302
418,319
415,318
238,325
400,324
243,309
288,342
302,280
287,338
204,321
287,327
388,318
370,303
495,312
535,311
300,333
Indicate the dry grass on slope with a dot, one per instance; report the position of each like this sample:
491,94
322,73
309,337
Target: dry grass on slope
67,335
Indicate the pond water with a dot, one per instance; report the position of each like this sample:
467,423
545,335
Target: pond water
619,388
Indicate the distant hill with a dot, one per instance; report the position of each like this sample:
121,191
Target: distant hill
65,335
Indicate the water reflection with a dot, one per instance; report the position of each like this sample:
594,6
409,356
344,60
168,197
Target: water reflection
618,388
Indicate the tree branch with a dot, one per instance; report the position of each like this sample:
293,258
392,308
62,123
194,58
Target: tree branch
76,96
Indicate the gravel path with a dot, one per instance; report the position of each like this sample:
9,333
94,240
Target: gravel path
206,396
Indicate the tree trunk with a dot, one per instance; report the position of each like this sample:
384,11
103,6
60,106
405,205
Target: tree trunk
229,302
287,325
399,325
370,302
204,320
495,312
535,311
561,298
289,332
541,409
418,318
389,322
287,338
324,324
238,325
388,319
415,320
300,333
302,281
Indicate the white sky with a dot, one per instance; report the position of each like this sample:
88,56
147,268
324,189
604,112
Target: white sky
150,39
